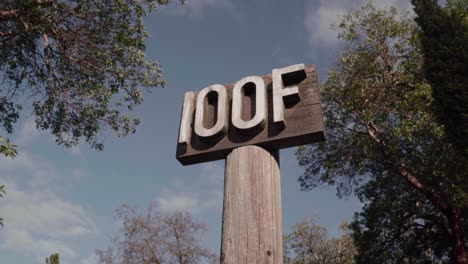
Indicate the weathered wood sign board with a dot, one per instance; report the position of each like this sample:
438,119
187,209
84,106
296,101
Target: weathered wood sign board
272,111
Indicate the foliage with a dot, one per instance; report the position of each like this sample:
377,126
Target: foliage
9,150
380,123
8,116
308,243
398,225
53,259
81,62
6,148
2,192
444,38
152,237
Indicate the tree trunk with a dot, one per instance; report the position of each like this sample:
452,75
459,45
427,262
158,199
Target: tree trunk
457,237
456,233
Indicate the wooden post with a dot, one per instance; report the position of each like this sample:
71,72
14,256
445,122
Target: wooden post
273,111
252,208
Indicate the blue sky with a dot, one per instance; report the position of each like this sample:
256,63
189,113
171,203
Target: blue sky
63,200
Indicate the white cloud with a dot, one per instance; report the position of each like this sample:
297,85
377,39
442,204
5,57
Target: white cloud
38,222
213,173
191,202
39,172
206,195
317,22
213,200
77,174
179,201
197,8
91,259
322,13
35,171
29,134
401,4
75,151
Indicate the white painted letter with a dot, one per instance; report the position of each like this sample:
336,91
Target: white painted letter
260,104
221,124
186,120
281,93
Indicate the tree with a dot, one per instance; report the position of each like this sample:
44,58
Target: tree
380,123
444,34
308,243
152,237
2,192
53,259
81,62
7,149
398,225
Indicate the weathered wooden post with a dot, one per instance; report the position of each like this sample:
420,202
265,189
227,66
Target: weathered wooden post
252,207
267,113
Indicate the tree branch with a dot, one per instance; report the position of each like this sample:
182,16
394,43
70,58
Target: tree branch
404,171
4,15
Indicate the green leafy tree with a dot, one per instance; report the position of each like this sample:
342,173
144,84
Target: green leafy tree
2,192
444,38
398,225
8,116
308,243
80,63
380,123
53,259
8,150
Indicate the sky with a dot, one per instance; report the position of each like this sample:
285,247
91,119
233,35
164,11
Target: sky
63,200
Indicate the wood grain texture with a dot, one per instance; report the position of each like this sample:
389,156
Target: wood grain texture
303,125
252,208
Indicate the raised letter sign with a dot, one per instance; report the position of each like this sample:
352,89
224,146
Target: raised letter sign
259,120
268,113
283,110
186,121
221,124
288,76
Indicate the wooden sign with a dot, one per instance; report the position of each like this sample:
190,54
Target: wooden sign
272,111
246,123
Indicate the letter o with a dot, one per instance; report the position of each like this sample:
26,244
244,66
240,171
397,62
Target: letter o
259,120
221,125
